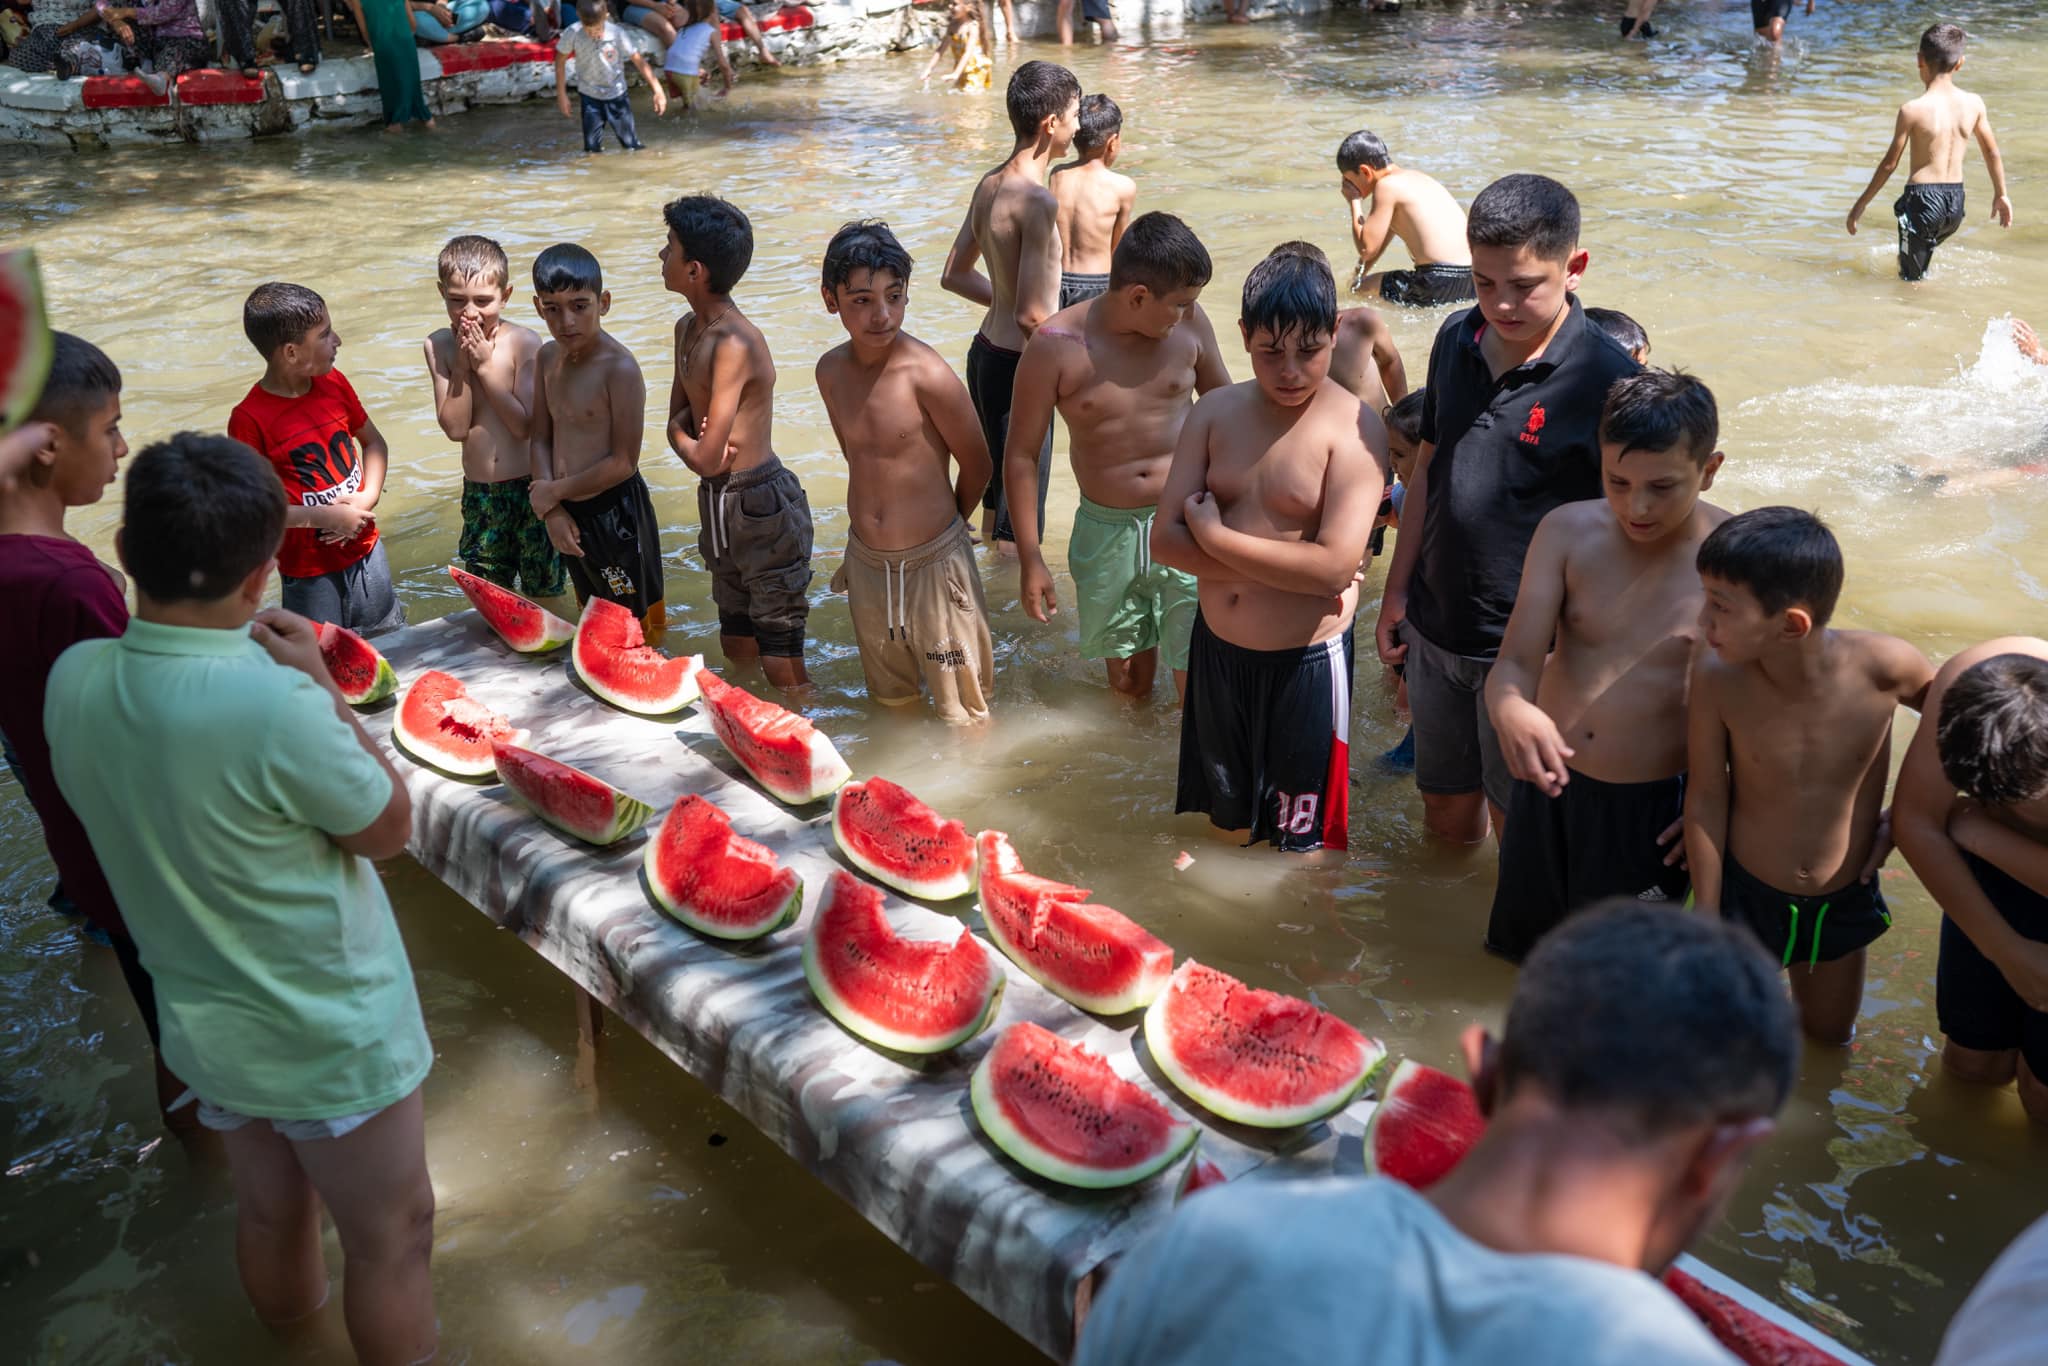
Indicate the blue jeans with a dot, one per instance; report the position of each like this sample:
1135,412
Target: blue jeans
468,14
617,114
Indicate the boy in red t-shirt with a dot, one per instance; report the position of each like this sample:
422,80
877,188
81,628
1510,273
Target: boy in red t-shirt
304,417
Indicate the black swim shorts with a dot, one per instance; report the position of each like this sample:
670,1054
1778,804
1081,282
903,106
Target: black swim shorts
1975,1005
621,559
1761,12
1804,929
1077,287
1928,216
1427,286
1095,11
991,381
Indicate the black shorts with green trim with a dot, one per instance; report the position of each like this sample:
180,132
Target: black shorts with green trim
1805,929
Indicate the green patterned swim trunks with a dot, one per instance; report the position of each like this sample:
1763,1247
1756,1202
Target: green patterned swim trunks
503,541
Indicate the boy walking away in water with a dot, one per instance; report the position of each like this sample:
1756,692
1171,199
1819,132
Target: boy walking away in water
1268,503
481,366
601,50
589,408
1790,745
1389,201
1123,369
1013,224
1937,127
1768,17
303,416
918,610
755,520
1594,735
1094,201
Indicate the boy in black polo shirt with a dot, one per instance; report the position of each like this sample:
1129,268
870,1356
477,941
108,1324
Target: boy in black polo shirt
1509,433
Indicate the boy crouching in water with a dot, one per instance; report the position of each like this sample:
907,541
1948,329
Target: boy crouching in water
918,610
1268,503
1791,734
1595,735
589,407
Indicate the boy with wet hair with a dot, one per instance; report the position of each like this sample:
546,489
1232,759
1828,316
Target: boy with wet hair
601,51
1789,745
919,615
1628,334
1268,503
1123,369
481,367
589,409
1387,201
754,517
1937,126
304,417
1013,224
1095,202
1971,816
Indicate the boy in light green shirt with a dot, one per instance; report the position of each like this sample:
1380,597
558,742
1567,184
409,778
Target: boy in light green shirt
234,802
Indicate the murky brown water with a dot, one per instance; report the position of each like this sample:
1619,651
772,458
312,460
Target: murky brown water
655,1223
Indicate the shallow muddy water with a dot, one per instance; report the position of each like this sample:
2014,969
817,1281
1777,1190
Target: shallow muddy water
654,1224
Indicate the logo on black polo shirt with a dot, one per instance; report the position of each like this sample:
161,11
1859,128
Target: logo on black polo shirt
1536,419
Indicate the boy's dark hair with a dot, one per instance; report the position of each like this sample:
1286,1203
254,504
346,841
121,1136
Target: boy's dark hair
1625,330
1038,91
1290,291
470,257
567,268
594,6
81,380
277,313
715,234
1362,148
1404,419
1101,120
1941,47
1993,739
864,244
1785,557
1661,410
1611,1007
1524,210
1162,253
202,512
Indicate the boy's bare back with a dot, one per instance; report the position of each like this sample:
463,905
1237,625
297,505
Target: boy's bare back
1939,126
1014,221
1094,207
724,370
1363,355
899,428
595,409
1425,217
492,449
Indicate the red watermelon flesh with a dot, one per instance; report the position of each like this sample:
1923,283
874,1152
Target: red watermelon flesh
911,995
1098,958
1753,1338
441,725
1062,1111
718,883
363,675
568,798
1254,1056
786,754
25,345
1198,1175
615,661
520,622
1424,1125
895,838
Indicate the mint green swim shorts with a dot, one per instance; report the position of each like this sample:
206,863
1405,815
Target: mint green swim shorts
1128,603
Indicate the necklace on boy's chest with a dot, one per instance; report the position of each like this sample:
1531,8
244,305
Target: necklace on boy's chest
702,332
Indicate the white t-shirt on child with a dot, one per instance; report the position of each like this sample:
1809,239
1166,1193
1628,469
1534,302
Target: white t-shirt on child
600,60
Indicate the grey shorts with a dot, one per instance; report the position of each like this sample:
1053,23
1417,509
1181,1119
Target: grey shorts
360,597
1456,750
291,1130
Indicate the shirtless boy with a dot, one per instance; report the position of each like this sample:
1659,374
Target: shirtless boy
1768,17
481,366
1594,735
589,407
1013,224
1937,127
904,423
1095,202
1389,201
755,520
1123,369
1790,746
1268,503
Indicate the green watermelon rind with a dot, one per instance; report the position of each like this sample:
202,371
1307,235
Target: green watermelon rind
385,684
22,388
554,631
629,813
881,1036
949,888
1034,1158
680,910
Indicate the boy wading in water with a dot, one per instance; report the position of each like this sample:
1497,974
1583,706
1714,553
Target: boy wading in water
1791,738
1937,127
1389,201
1123,369
1269,503
755,520
1013,225
909,576
1094,201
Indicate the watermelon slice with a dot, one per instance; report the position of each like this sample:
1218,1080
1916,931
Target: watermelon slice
25,345
1749,1335
363,675
1424,1125
912,995
442,726
1256,1057
520,622
1099,959
615,661
568,798
1198,1175
718,883
1063,1112
896,839
785,753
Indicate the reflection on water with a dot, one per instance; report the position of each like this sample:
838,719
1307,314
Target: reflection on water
1715,176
